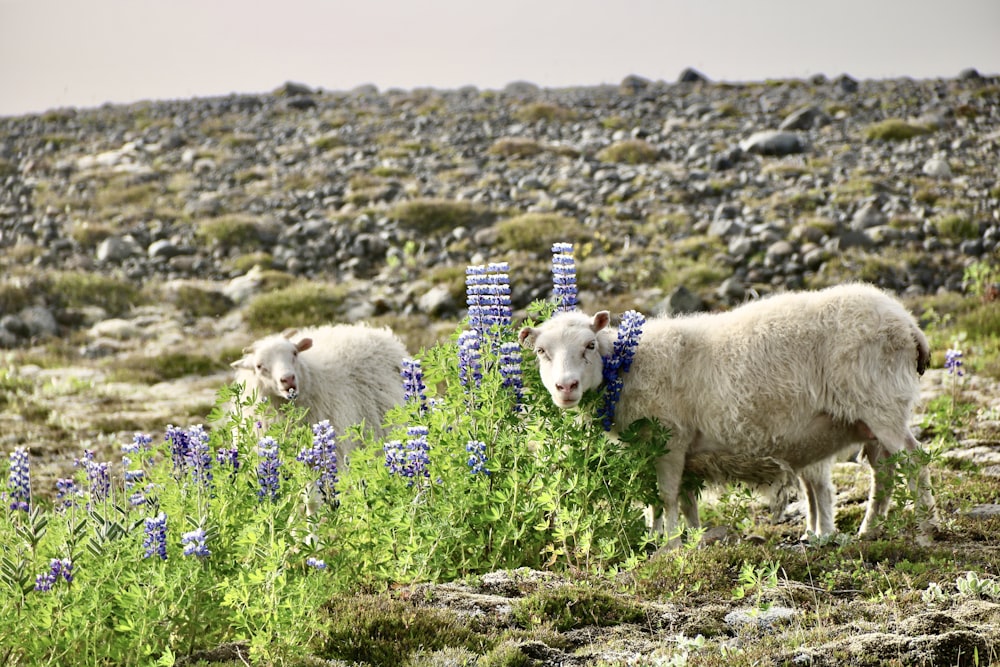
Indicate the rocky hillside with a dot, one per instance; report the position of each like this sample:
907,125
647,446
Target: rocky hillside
144,245
720,188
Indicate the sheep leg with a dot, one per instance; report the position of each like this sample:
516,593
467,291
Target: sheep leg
883,472
669,469
820,497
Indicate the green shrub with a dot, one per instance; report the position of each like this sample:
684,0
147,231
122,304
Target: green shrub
243,263
538,231
630,151
956,227
240,231
429,216
115,196
199,302
572,607
381,630
73,289
895,129
300,304
327,142
544,111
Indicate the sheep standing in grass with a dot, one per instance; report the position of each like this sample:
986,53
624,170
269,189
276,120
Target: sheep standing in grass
776,387
347,374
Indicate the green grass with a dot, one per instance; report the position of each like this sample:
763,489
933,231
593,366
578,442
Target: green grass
428,216
237,230
630,151
297,305
538,231
895,129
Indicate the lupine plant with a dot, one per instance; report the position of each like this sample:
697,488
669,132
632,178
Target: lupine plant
210,536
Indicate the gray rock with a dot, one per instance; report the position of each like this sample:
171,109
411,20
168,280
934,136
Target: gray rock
937,167
436,301
683,300
869,215
691,75
116,249
724,227
762,619
805,118
846,83
15,326
40,321
731,290
163,248
773,142
633,85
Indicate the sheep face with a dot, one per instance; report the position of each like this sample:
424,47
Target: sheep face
274,364
570,348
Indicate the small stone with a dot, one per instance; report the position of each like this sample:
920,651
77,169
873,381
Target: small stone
773,142
937,167
869,215
805,118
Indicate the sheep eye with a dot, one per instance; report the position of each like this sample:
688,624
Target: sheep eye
592,345
540,351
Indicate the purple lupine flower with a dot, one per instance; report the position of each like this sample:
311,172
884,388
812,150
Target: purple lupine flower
564,276
67,492
470,369
316,563
267,470
199,457
618,364
410,460
229,457
953,362
194,543
417,452
395,456
58,569
155,541
477,457
139,447
98,476
180,445
19,481
510,371
322,457
488,296
413,383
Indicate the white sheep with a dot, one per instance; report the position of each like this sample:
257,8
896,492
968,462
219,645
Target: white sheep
348,374
774,388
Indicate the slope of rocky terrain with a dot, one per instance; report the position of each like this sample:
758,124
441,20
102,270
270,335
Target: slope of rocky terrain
142,246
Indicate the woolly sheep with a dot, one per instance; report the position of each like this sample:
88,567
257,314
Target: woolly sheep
347,374
773,388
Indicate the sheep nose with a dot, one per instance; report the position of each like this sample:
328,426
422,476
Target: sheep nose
288,382
569,385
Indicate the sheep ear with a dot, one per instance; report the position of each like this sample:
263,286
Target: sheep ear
288,333
243,362
601,320
304,344
527,337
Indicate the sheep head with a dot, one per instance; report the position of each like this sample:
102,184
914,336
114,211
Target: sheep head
274,363
570,348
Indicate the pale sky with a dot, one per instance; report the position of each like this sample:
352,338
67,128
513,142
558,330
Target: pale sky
83,53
